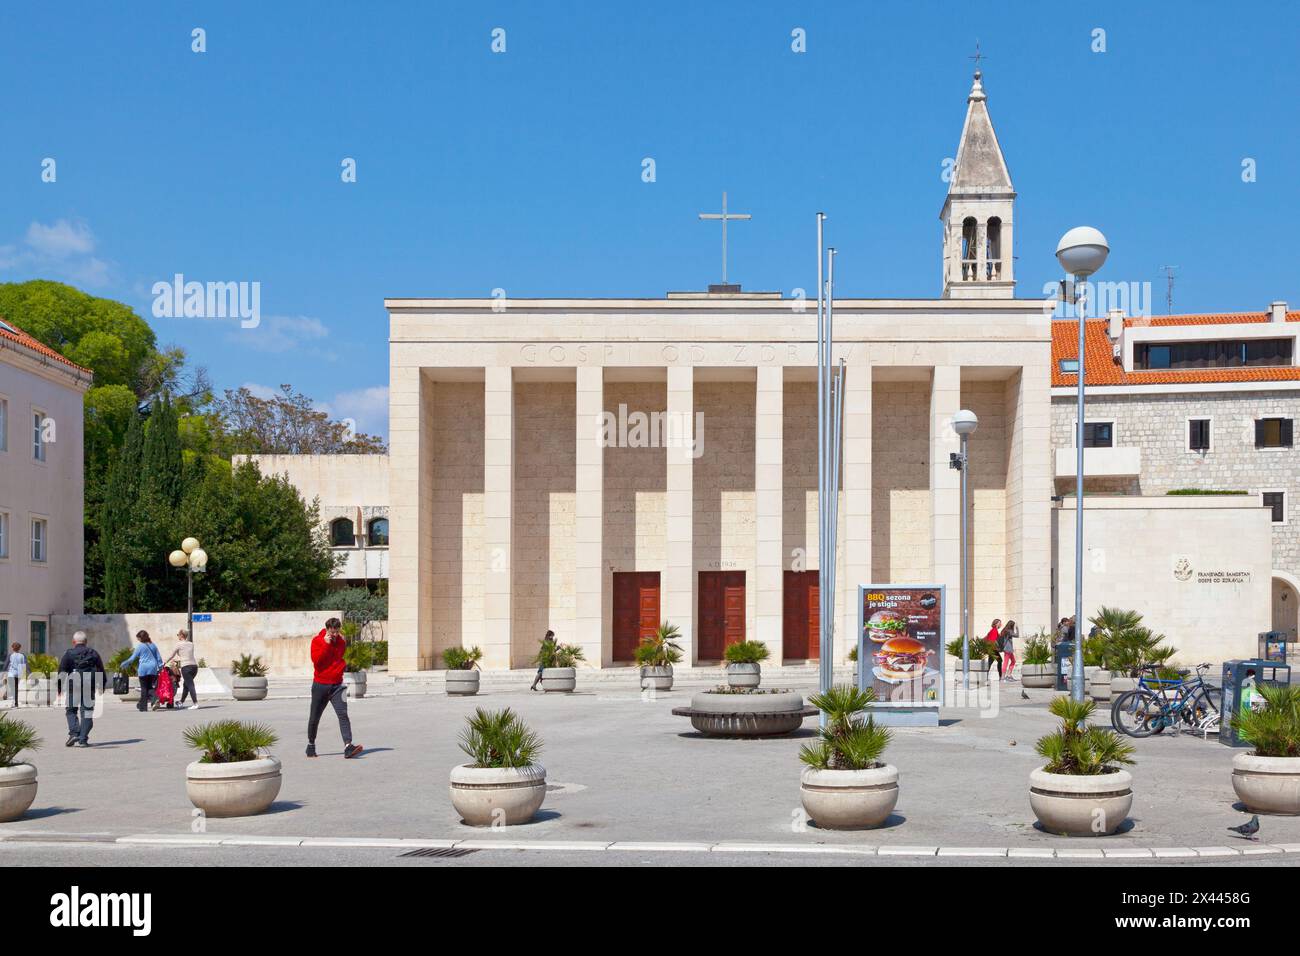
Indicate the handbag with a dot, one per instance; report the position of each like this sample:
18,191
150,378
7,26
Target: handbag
121,684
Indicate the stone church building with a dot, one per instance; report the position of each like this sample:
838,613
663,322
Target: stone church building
597,466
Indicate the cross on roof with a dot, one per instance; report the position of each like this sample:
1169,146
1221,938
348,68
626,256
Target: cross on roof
978,55
725,217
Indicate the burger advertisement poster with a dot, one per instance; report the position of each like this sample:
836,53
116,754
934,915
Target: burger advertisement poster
900,644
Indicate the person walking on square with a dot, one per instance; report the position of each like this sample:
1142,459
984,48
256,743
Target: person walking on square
148,664
993,639
85,670
15,670
327,649
184,656
1007,645
548,644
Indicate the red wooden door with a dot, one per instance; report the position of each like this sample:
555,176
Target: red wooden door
636,610
800,625
721,612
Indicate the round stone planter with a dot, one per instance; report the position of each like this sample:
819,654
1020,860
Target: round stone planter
657,678
559,680
1099,686
849,799
1037,675
744,675
355,681
1090,805
1267,784
1121,685
248,688
132,695
238,789
979,672
462,683
746,715
484,796
17,790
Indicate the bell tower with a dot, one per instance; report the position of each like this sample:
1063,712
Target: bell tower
977,215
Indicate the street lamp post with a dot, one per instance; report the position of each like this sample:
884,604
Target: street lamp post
193,559
964,424
1081,252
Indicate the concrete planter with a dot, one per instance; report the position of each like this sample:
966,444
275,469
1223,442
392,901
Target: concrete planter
1121,685
979,672
132,696
559,680
17,790
248,688
484,796
38,691
462,683
744,675
1267,784
849,799
657,678
1100,686
355,681
746,715
1038,675
1090,805
238,789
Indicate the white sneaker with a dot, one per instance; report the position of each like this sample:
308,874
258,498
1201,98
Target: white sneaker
192,707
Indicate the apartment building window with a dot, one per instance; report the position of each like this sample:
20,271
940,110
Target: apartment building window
1275,501
37,634
40,532
1273,433
4,424
1227,353
4,534
4,634
1098,434
38,436
1198,434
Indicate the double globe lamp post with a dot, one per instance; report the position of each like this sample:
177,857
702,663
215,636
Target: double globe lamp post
194,560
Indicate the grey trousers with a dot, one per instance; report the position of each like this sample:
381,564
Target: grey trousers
336,695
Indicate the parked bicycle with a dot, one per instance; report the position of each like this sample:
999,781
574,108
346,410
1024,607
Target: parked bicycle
1159,702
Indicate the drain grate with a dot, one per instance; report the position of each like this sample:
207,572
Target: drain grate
442,853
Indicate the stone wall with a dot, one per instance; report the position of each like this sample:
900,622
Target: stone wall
900,483
987,480
458,561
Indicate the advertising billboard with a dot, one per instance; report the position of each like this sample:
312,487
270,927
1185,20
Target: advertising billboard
900,643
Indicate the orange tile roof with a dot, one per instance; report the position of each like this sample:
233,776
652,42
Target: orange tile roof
12,333
1102,369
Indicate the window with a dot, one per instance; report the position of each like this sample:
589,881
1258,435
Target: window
36,635
1276,502
4,424
1273,433
38,437
1198,434
1098,434
4,535
4,634
1228,353
379,532
40,530
341,533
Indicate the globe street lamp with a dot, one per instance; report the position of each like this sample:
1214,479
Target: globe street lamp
964,424
194,560
1082,251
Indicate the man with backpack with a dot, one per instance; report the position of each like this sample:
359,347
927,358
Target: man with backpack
85,669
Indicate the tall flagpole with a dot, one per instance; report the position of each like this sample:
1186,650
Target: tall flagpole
821,462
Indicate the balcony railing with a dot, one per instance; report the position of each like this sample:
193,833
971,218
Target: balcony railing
970,270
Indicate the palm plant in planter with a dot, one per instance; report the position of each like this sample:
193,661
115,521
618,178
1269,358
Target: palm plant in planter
1268,780
462,670
844,785
248,678
358,657
557,663
503,784
41,669
234,775
1126,646
981,652
1037,668
17,777
744,663
656,656
116,664
1081,790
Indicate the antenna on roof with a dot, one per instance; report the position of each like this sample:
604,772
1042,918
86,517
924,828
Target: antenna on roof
1169,287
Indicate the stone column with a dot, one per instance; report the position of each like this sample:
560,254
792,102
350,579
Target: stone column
410,483
498,512
588,504
769,561
1030,506
856,509
945,491
679,575
981,250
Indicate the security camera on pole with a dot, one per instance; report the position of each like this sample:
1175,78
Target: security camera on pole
1082,251
194,560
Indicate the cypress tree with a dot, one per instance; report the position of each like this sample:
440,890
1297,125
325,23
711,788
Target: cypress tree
120,501
163,465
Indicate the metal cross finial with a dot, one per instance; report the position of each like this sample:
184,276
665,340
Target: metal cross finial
725,217
978,55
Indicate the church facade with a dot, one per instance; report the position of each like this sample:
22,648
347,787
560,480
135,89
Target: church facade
597,466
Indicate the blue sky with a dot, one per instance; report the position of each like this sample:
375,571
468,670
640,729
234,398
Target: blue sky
522,170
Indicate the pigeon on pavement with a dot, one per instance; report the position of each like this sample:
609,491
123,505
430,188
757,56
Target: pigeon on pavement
1023,695
1248,829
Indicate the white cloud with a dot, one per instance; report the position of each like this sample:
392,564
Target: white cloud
282,333
62,249
368,407
264,392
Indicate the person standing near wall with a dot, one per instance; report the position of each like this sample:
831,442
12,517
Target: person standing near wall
15,670
542,655
327,650
184,655
148,664
1007,645
85,669
993,638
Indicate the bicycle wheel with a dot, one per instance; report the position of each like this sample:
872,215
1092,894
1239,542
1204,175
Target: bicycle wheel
1206,701
1137,713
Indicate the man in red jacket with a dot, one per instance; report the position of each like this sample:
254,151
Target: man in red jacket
327,649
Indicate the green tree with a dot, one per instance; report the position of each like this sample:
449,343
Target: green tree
116,516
